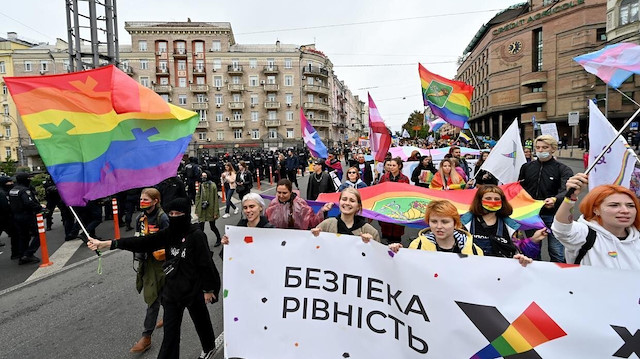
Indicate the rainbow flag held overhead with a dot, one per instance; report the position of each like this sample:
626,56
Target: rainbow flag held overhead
100,132
613,64
448,99
405,204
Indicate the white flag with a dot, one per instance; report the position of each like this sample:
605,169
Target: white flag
507,156
405,134
616,166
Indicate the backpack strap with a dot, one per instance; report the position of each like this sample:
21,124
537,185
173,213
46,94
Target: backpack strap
591,239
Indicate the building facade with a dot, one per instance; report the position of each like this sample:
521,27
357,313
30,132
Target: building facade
248,96
521,65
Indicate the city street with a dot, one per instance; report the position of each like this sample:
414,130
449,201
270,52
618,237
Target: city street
68,310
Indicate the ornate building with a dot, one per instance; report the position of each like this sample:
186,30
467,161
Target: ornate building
521,65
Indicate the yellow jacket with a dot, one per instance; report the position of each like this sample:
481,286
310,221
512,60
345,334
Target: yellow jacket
426,242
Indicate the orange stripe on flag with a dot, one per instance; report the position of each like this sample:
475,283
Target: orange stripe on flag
529,331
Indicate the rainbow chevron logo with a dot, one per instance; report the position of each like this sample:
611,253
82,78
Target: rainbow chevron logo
518,339
510,154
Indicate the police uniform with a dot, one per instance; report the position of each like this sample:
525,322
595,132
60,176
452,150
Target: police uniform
25,206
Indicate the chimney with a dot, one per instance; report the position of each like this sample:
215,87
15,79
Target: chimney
12,35
277,45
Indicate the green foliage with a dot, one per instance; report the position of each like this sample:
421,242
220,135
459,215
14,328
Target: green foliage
8,167
416,119
37,181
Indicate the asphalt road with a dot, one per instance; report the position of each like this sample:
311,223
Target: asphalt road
68,310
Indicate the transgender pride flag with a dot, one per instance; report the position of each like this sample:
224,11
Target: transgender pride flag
311,138
613,64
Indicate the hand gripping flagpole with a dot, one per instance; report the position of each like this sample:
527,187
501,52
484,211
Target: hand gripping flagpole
613,140
87,234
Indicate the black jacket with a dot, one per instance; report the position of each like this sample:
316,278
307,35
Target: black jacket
264,223
196,272
315,187
545,179
415,176
245,179
367,176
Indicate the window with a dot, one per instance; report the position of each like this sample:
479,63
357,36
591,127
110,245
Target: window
271,80
219,117
237,115
3,67
27,66
271,63
289,115
165,97
182,99
164,81
287,63
537,50
5,110
201,98
215,45
199,47
273,133
253,81
271,115
254,116
628,12
7,132
237,133
310,97
162,47
254,99
288,80
200,80
253,63
217,81
182,82
144,64
202,136
235,63
625,100
601,34
537,89
271,97
162,65
310,80
288,98
200,65
217,64
203,115
220,135
235,80
236,97
181,48
310,114
7,152
289,132
67,67
142,45
5,90
144,81
255,134
219,99
182,65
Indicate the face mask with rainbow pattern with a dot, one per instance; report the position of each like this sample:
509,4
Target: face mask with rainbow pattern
492,206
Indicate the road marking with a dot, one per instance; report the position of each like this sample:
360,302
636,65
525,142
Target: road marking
59,258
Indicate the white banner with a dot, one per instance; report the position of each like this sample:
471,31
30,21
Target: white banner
288,294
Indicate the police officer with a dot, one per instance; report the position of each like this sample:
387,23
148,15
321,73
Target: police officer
269,164
192,173
53,200
6,216
25,206
258,162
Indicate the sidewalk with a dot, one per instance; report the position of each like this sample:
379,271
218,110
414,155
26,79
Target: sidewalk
574,153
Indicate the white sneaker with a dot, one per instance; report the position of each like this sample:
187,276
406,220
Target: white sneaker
208,355
235,211
226,215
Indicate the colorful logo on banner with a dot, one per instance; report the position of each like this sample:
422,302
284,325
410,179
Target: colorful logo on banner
532,328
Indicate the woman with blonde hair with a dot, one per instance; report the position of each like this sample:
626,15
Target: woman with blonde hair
349,221
447,177
606,234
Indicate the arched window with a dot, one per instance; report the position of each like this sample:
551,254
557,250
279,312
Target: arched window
628,12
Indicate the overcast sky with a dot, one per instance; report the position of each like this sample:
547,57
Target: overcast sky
374,45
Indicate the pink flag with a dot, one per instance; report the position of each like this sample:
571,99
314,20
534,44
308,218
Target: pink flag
379,136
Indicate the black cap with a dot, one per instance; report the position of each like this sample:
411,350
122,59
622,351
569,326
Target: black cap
179,204
318,161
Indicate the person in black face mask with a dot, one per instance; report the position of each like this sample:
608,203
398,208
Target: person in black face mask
6,216
192,279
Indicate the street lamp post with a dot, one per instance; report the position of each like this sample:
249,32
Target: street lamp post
20,149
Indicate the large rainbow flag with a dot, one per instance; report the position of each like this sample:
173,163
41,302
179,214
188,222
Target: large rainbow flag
100,132
405,204
448,99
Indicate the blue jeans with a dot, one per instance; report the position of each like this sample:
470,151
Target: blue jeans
228,194
556,249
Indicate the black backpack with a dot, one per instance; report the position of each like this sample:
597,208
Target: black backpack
591,239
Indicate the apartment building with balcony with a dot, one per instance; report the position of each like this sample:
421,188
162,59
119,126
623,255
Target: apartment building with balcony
521,65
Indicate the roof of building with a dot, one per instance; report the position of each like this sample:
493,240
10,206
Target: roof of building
226,25
263,48
510,13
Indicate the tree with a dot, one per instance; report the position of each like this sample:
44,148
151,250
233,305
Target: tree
415,120
8,167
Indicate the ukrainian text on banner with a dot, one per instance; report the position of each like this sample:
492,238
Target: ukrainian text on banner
288,294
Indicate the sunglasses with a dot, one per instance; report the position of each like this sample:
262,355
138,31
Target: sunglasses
351,172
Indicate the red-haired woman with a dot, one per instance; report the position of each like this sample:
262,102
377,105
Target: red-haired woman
446,233
493,230
606,235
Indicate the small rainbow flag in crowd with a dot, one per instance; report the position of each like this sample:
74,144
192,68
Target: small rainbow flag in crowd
448,99
99,132
613,64
405,204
